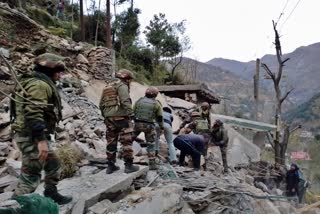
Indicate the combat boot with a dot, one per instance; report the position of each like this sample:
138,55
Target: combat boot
129,167
152,164
112,167
56,197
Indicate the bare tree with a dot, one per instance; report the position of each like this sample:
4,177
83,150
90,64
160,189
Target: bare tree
82,21
97,27
108,25
279,147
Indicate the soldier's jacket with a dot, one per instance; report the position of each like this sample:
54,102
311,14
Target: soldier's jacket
148,110
115,100
205,115
36,115
220,137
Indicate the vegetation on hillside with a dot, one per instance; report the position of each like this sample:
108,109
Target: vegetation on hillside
165,44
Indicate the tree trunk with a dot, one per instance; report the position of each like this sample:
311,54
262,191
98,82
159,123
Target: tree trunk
82,21
97,27
108,25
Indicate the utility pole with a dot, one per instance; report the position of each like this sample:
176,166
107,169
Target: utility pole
108,25
82,21
256,78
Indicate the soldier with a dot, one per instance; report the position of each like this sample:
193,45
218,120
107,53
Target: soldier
116,108
35,114
220,138
147,112
205,112
198,125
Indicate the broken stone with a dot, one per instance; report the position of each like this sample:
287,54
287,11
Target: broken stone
5,196
103,207
93,188
5,52
14,167
88,170
82,59
167,199
312,211
7,180
249,179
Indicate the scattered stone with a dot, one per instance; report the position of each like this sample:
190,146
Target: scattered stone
14,167
103,207
82,59
7,180
5,196
5,52
249,179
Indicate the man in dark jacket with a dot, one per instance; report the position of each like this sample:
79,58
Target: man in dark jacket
193,145
292,180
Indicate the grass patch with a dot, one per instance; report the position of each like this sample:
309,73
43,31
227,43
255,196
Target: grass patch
69,157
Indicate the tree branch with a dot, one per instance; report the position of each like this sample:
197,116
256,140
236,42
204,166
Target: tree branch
286,95
270,139
284,61
269,72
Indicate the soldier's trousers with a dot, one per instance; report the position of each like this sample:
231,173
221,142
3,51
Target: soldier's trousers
119,130
224,150
32,167
150,133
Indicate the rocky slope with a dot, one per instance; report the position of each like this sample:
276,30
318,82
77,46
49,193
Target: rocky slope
168,190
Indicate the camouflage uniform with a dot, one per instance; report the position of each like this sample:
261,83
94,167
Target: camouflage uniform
205,114
147,112
34,123
220,138
116,108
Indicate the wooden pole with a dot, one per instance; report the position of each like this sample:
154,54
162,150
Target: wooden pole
256,88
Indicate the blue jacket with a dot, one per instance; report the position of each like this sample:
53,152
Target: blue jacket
194,140
167,118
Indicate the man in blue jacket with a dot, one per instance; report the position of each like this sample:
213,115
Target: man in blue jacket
193,145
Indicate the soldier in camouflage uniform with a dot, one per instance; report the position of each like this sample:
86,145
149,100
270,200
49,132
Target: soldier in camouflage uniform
219,136
205,112
35,113
147,112
116,108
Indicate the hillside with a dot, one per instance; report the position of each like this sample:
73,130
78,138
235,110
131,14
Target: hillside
307,114
237,91
302,70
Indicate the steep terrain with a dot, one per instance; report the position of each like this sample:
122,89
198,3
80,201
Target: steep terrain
302,71
236,90
307,114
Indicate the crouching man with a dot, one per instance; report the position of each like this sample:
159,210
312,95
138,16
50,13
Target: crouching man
193,145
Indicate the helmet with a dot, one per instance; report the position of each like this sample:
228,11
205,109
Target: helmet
125,74
205,105
195,114
152,91
50,60
218,123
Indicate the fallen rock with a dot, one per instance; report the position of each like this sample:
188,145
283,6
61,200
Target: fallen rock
103,207
7,180
168,199
82,59
14,167
94,188
5,52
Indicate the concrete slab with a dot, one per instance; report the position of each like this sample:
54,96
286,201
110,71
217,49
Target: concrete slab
91,189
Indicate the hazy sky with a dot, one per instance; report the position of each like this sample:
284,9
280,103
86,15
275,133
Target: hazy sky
238,29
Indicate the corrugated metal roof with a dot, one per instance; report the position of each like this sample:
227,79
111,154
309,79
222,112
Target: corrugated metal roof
248,124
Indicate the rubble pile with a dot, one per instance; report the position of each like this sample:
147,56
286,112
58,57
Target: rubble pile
171,189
